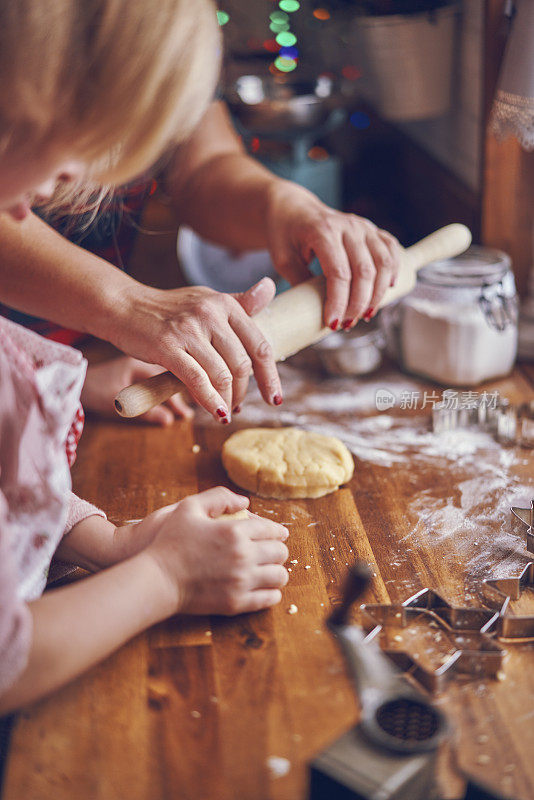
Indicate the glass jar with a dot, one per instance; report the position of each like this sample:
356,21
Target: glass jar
459,325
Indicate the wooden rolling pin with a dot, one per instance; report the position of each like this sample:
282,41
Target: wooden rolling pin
294,319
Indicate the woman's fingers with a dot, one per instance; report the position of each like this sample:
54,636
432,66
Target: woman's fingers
384,272
360,262
363,278
179,407
395,250
159,415
260,353
335,264
217,373
195,377
257,297
229,346
385,251
258,600
260,529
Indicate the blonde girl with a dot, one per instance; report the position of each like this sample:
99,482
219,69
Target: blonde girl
95,92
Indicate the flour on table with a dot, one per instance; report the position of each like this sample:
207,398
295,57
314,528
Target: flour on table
278,766
475,515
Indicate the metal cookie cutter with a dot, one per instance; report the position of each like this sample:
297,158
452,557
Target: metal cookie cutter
480,412
515,424
510,588
526,515
469,630
510,424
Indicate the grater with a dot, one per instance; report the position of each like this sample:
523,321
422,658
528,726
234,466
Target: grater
391,753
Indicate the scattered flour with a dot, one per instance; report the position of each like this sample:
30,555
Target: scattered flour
484,474
278,766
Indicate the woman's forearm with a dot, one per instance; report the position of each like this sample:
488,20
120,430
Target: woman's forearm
228,202
43,274
217,189
79,625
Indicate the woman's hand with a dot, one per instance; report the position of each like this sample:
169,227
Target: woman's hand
206,338
359,260
105,380
216,565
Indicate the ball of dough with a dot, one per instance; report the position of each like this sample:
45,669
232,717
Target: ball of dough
286,462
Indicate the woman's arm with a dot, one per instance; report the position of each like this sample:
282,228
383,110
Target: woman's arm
43,274
205,338
76,626
232,199
216,188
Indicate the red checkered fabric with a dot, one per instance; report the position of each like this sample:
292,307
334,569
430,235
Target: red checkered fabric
74,435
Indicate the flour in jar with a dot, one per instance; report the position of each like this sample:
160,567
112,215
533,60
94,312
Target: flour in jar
459,324
454,344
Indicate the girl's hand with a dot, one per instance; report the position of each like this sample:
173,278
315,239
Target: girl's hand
105,380
206,338
215,565
359,260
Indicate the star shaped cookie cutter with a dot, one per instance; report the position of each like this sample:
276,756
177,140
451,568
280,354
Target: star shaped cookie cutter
477,654
526,515
501,591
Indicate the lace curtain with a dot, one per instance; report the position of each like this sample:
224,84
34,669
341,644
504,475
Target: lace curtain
513,107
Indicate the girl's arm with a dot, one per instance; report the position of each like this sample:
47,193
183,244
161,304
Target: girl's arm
95,543
76,626
198,562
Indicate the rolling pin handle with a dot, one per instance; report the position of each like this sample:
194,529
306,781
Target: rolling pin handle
132,401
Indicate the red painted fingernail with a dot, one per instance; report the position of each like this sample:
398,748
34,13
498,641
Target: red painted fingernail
393,282
222,412
368,314
348,323
334,324
225,420
277,400
237,409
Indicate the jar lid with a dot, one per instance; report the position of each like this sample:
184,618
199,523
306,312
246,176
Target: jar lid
478,266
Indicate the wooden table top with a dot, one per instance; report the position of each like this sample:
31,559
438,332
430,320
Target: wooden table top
197,708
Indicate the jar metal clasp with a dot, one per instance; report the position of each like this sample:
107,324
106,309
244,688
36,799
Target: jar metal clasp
499,309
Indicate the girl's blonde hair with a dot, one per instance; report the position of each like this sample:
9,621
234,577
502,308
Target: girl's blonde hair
113,82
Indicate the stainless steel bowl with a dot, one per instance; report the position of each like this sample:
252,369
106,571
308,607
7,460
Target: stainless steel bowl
355,353
266,105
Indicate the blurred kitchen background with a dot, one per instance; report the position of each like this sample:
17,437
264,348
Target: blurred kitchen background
382,108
